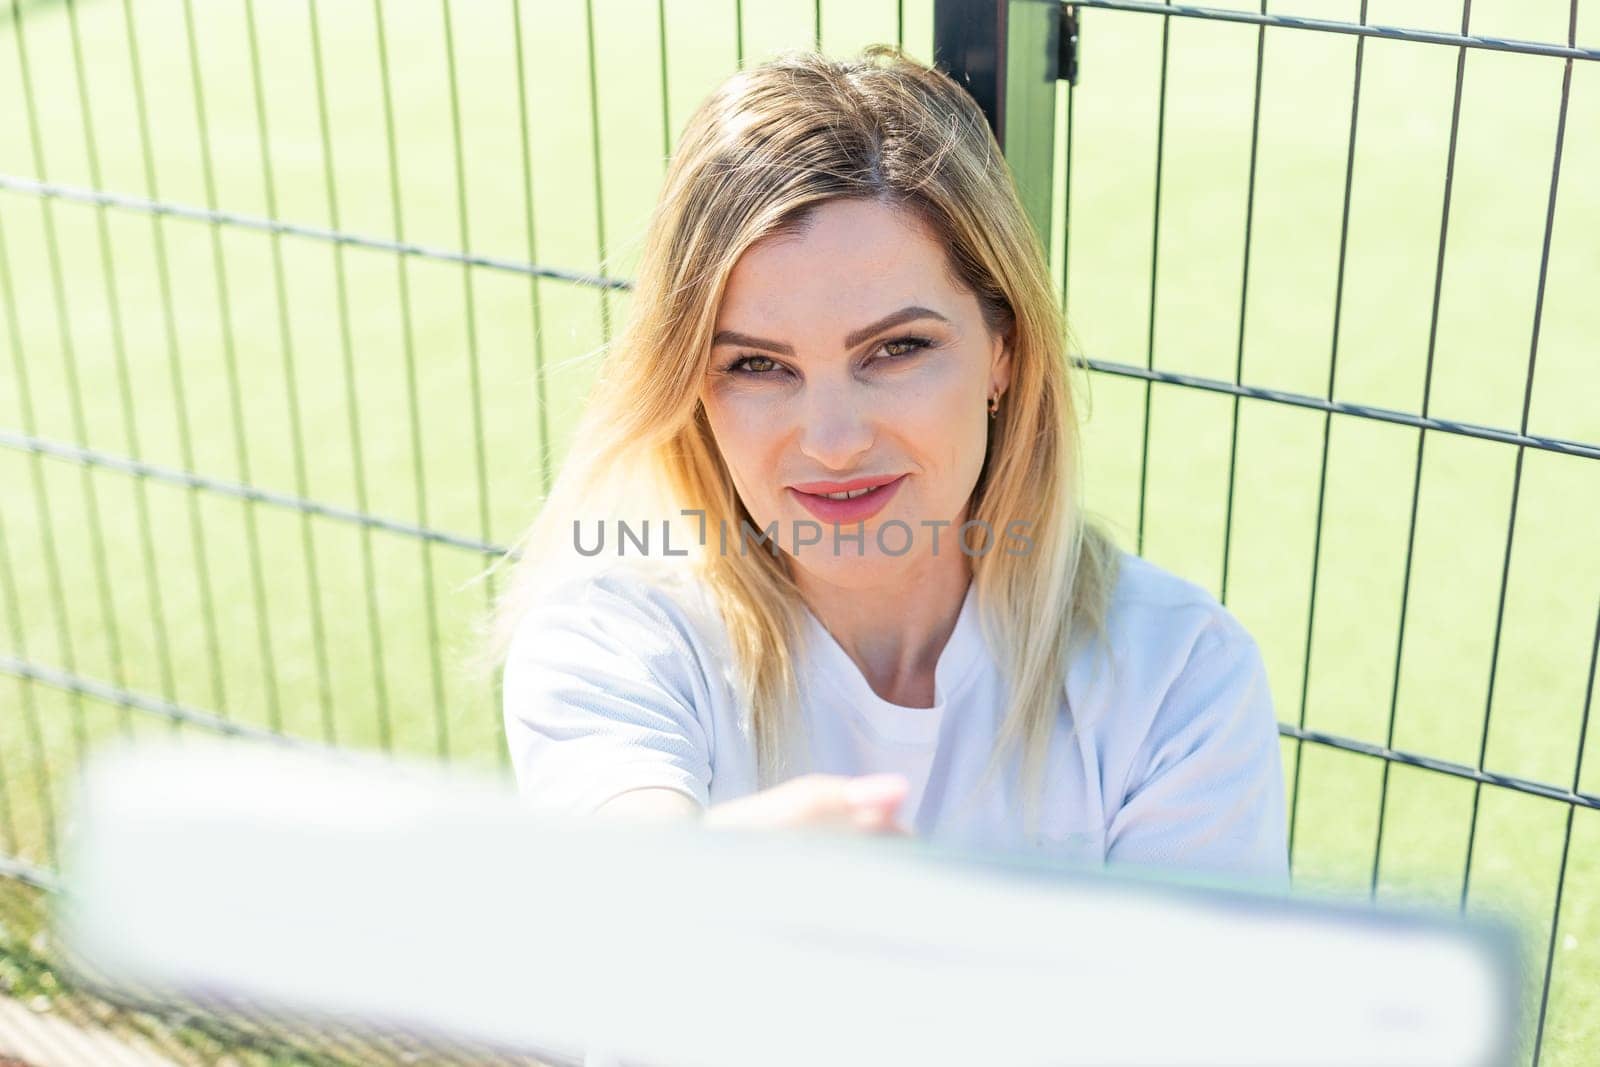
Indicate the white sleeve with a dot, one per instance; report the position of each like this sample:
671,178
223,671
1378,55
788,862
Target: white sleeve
600,696
1205,790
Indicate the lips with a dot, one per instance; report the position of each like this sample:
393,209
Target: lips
855,509
843,487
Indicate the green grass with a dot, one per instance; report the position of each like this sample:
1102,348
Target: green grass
1437,687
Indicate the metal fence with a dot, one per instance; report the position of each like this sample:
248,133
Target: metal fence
284,375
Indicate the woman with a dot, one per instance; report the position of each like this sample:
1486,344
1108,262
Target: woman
840,291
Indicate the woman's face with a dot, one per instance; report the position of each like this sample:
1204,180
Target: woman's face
847,354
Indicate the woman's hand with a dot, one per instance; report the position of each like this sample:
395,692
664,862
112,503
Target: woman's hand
865,803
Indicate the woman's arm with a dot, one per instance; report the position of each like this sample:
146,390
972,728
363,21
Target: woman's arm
602,697
652,802
1205,794
867,803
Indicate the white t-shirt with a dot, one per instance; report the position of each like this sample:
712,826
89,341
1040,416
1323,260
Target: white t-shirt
621,678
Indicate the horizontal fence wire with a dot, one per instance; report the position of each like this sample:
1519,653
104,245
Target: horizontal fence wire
90,457
1336,407
68,682
1456,770
141,205
13,183
1352,29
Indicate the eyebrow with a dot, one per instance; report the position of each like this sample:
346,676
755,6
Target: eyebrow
894,318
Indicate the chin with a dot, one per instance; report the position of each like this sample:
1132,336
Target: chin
848,570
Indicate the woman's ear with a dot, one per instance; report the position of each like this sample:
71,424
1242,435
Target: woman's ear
1000,365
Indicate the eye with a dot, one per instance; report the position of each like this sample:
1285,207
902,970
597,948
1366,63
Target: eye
741,366
754,365
915,344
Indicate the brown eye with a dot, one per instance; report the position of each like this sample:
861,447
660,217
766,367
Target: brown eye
911,344
741,366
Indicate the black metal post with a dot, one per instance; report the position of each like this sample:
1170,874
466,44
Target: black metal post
1007,54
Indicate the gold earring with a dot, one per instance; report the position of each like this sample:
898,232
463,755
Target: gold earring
994,405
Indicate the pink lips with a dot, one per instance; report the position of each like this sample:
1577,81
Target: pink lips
856,509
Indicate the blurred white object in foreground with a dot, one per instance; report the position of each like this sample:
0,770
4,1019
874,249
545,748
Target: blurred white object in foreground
350,887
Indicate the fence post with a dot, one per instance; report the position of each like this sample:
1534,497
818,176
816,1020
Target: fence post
1008,54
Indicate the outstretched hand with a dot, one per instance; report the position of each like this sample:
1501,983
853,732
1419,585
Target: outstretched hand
866,803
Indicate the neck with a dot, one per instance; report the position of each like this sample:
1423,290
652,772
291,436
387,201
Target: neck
895,630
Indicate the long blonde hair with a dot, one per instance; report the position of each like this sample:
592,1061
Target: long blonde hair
768,145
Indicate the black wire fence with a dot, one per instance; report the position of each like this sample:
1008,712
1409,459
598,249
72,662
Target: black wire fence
298,301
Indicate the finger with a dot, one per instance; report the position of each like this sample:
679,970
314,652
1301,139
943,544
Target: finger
864,802
839,799
809,799
890,827
876,800
876,790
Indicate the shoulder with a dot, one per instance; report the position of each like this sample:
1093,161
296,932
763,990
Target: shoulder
1142,584
1167,637
637,587
635,607
1186,687
608,686
1156,615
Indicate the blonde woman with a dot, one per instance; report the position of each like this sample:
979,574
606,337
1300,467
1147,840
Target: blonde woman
840,291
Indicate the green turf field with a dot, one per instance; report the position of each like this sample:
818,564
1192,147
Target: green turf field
229,351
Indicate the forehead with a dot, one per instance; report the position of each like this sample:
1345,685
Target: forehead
855,260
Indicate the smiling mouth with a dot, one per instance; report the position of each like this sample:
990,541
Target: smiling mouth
850,495
851,504
845,490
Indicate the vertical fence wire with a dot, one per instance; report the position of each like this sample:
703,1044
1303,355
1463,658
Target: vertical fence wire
599,182
30,704
1566,833
541,402
1155,260
230,357
413,402
9,838
1422,441
1244,299
1527,404
30,707
119,347
47,534
666,101
297,443
468,289
470,304
1066,208
540,395
352,393
91,498
1327,436
169,321
738,34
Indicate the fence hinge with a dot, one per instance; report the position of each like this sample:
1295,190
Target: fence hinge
1067,46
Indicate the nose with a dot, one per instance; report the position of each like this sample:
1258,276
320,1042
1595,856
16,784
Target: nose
837,428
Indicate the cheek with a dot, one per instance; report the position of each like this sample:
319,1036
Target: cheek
745,428
947,429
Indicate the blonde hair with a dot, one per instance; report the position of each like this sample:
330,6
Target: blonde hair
765,148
